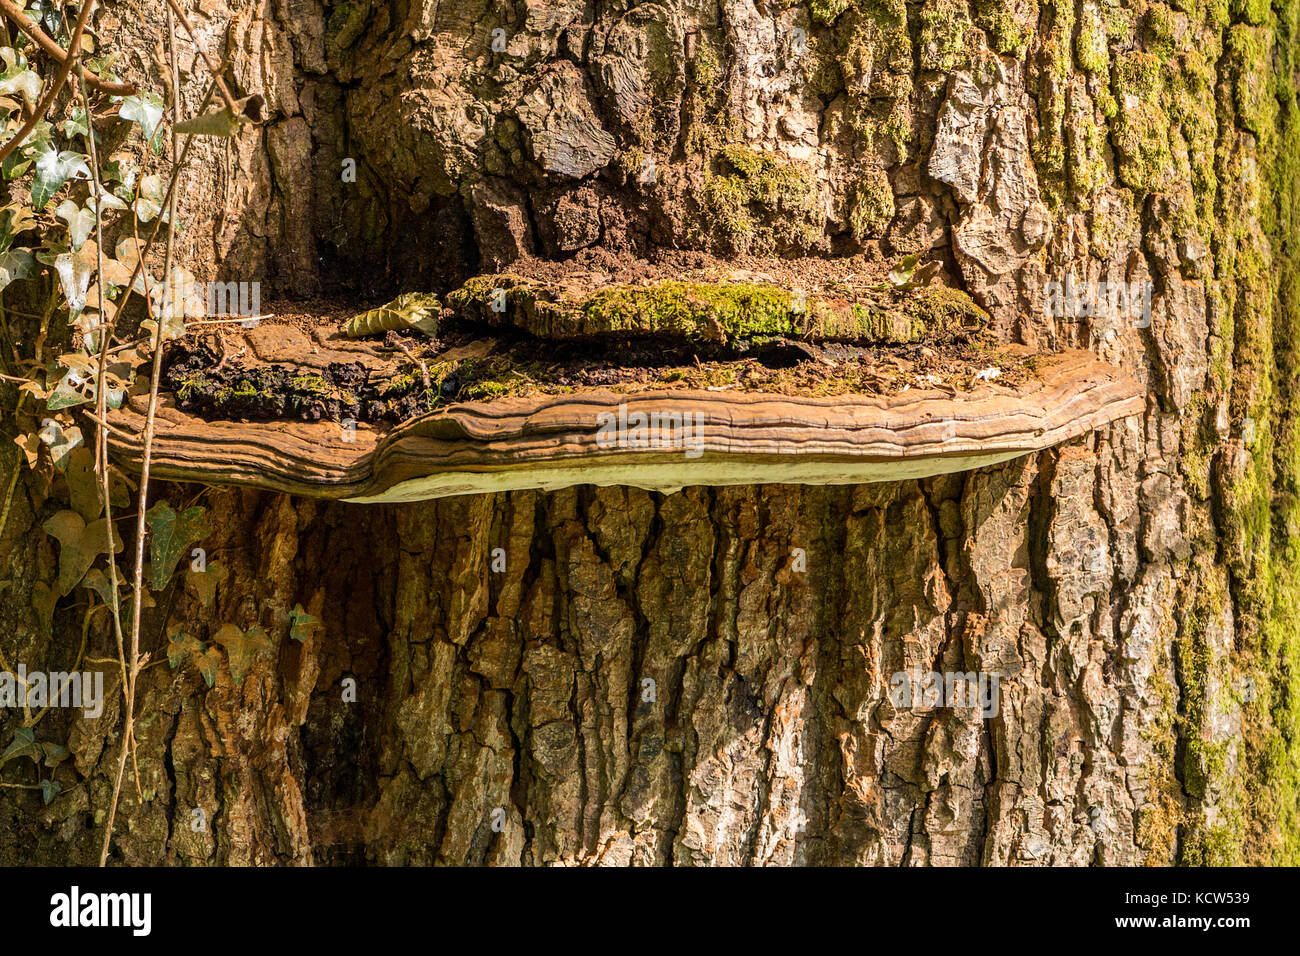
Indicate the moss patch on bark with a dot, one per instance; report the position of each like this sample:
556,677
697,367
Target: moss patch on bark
719,313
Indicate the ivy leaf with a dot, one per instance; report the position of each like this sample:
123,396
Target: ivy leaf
47,14
301,624
29,444
80,222
183,648
54,753
242,647
53,169
208,664
106,200
66,393
147,110
14,219
49,790
205,583
20,160
901,275
84,491
15,264
98,582
150,201
75,270
75,124
79,545
18,78
61,441
23,745
171,535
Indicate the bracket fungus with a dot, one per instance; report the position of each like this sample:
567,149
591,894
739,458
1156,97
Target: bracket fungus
520,383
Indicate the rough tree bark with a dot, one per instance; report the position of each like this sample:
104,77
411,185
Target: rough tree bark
1136,587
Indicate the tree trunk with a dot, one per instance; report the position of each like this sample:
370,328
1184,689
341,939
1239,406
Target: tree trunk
704,677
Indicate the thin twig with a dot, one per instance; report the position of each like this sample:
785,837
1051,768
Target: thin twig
101,395
424,369
213,66
141,527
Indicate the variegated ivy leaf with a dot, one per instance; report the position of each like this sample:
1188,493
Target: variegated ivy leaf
147,110
120,169
14,219
150,201
18,77
48,16
80,222
52,170
102,66
901,275
105,200
75,124
69,392
15,264
60,441
74,270
20,160
128,254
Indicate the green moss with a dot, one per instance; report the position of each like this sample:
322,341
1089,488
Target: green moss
1249,64
757,203
1158,29
944,43
871,205
720,313
1252,11
875,59
1053,83
827,11
1090,50
727,202
1256,314
1010,24
1199,439
1141,130
1086,151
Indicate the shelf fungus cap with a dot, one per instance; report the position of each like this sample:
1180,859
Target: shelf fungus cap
657,439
